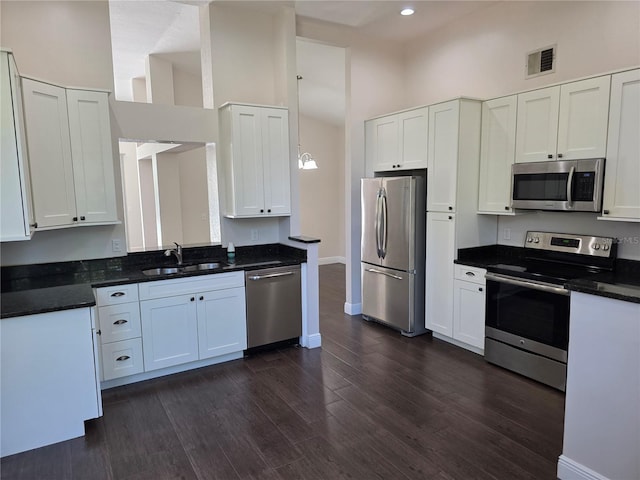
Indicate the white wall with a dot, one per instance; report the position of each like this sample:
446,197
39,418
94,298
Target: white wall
322,190
194,196
170,198
131,193
187,88
483,55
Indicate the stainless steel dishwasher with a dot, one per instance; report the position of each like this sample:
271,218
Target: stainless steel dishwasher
274,305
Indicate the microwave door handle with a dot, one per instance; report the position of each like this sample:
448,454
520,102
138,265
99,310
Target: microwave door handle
572,170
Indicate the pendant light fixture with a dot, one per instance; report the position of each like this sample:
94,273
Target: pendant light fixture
305,160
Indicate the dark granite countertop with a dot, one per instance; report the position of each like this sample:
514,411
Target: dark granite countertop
41,288
621,284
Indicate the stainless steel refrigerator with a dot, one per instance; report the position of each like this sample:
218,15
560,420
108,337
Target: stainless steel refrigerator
393,251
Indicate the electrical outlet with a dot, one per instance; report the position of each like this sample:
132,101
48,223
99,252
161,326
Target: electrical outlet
254,234
116,245
506,234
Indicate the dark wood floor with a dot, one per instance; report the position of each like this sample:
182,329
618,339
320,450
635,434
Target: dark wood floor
368,404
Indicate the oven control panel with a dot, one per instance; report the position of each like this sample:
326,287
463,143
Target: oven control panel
570,243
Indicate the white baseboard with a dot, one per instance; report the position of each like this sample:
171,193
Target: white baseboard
571,470
352,308
312,341
457,343
329,260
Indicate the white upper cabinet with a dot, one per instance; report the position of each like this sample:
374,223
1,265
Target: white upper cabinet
92,156
497,153
584,115
537,125
382,143
397,141
47,125
255,152
565,122
622,167
69,142
16,213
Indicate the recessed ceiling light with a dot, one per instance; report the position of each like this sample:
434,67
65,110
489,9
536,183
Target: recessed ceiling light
407,11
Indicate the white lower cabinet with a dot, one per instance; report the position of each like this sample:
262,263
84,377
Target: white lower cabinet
120,331
170,331
189,319
123,358
47,372
155,325
439,273
221,322
469,305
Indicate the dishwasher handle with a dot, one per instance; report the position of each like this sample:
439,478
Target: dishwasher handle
269,275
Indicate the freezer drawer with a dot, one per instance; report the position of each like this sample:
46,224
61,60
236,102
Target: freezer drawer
388,296
274,305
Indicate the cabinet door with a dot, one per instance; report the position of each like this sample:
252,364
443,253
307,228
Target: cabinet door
222,322
443,156
382,143
439,273
169,331
497,154
537,125
90,133
47,371
468,313
622,176
413,135
275,159
47,126
15,195
584,114
246,152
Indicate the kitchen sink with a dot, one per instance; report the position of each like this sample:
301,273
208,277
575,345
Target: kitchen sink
161,271
202,266
153,272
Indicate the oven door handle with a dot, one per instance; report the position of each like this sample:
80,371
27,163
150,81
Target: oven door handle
542,286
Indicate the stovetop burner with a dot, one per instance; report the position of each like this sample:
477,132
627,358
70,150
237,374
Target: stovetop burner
557,258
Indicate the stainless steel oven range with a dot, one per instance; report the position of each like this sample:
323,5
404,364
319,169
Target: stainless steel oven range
527,305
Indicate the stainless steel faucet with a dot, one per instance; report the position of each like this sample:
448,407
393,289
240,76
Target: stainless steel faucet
175,251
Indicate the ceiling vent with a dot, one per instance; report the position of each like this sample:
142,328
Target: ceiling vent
541,62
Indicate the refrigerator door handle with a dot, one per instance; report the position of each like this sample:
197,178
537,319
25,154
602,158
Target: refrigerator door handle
373,270
384,224
378,224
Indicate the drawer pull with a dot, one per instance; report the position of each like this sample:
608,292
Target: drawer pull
118,294
470,274
120,322
122,358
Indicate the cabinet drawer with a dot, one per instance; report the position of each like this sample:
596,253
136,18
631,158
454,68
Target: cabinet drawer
190,285
120,359
470,274
119,322
117,294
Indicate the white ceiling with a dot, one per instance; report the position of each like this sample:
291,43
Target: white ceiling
171,29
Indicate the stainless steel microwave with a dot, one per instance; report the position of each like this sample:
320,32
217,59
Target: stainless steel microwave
567,185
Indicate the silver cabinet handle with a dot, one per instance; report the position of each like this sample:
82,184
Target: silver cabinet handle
269,275
120,322
542,286
118,294
123,358
373,270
